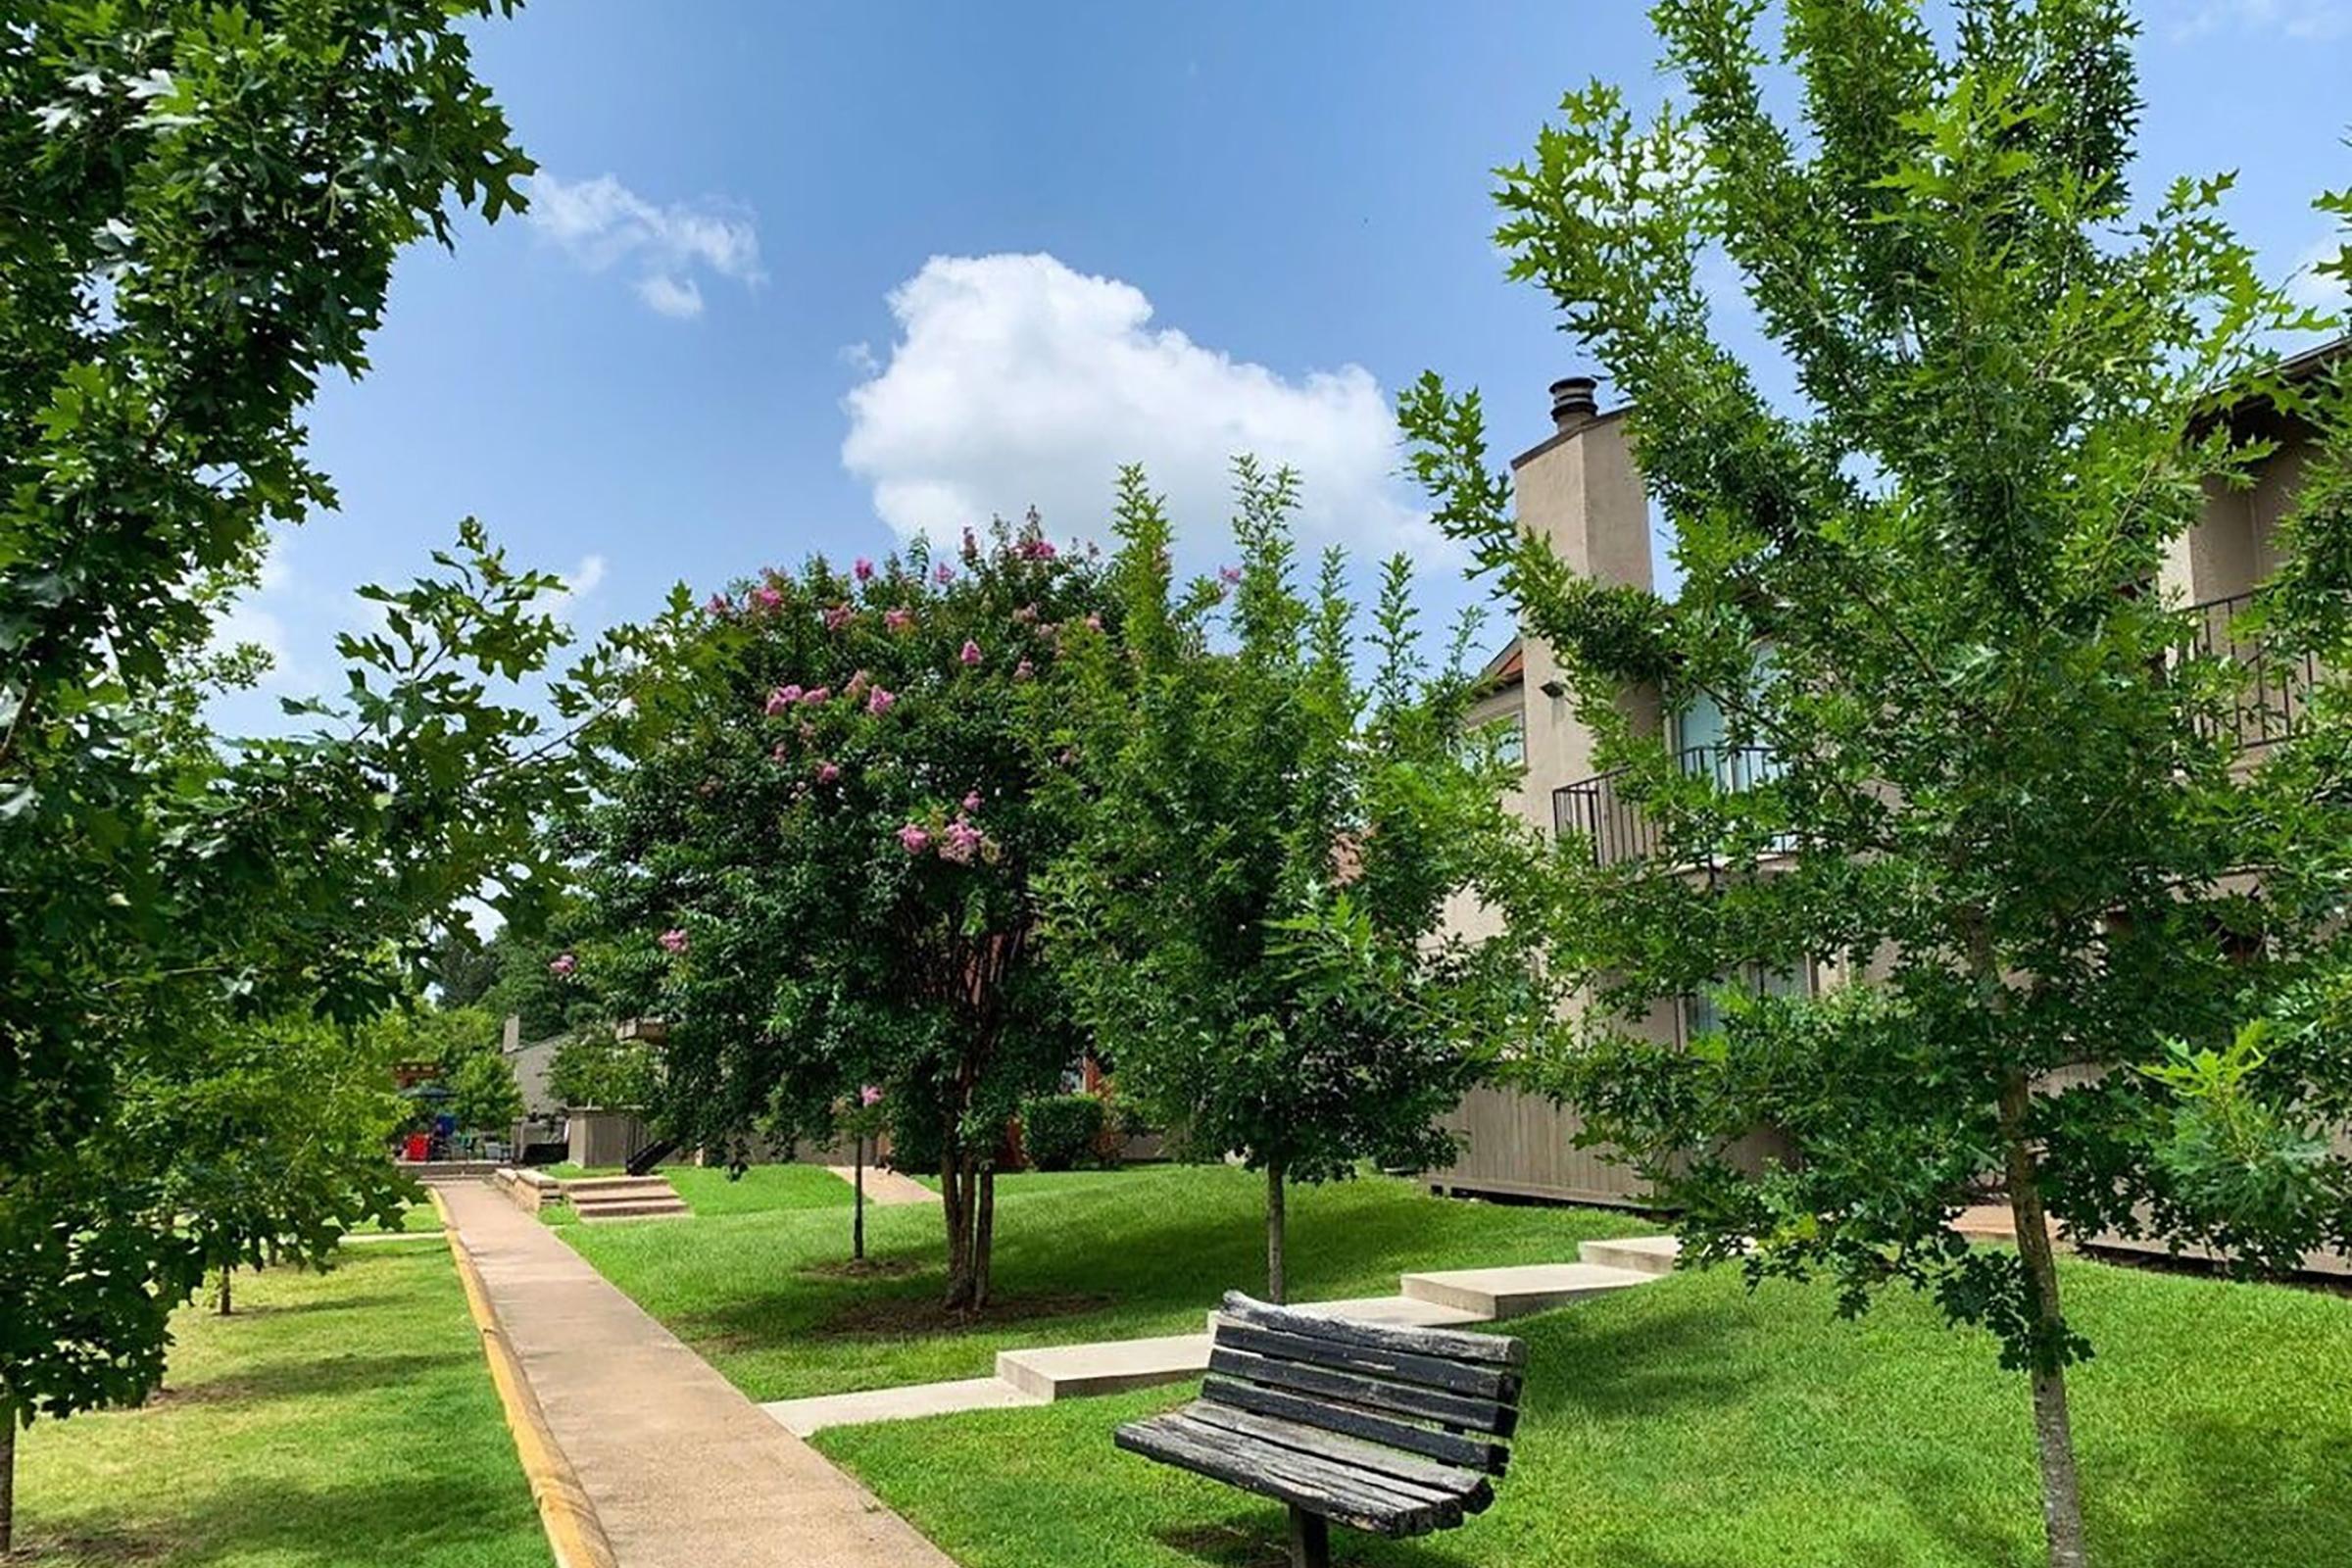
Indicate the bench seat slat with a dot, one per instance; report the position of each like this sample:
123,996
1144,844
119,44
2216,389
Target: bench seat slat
1454,1344
1396,1366
1448,1448
1421,1404
1467,1486
1381,1505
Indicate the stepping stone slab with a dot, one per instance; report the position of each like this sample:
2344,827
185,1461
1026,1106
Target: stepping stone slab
1643,1255
1077,1371
1504,1292
808,1416
1402,1311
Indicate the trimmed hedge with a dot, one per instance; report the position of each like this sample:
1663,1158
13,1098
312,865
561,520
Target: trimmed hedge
1061,1132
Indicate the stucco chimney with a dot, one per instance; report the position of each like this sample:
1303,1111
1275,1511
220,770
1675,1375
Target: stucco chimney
1572,402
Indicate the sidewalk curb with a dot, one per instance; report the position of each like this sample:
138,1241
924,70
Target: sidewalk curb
573,1531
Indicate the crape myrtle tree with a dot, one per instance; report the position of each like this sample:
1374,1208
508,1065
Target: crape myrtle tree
2002,794
1252,924
203,205
816,856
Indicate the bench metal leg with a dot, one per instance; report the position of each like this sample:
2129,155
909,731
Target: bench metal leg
1311,1540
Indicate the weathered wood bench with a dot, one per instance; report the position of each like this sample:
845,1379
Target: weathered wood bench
1395,1431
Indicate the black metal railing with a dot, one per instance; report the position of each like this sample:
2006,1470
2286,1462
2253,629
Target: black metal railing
2276,689
1621,828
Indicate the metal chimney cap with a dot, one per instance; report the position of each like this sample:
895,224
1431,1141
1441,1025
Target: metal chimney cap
1573,402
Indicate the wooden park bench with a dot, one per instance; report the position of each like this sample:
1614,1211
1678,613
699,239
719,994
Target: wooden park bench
1391,1429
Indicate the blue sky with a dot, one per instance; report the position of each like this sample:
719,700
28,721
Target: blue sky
803,277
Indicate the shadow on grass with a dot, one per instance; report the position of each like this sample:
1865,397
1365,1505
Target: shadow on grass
323,1303
373,1519
1259,1538
288,1377
1615,1371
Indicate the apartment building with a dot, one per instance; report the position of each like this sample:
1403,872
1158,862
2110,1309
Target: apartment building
1580,487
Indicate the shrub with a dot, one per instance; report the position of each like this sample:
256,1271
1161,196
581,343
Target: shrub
1061,1132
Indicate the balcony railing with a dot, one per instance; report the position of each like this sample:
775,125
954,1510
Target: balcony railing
2276,688
1621,828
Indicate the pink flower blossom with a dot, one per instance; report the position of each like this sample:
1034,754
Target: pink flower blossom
720,605
880,700
563,963
766,598
816,696
1094,623
870,1096
1027,612
777,755
898,619
942,574
914,839
674,940
1023,670
971,651
1229,575
827,772
958,841
781,698
971,802
863,570
1039,548
838,616
855,691
971,544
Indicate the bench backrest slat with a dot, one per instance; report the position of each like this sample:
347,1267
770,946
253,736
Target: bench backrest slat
1468,1379
1370,1394
1445,1396
1490,1350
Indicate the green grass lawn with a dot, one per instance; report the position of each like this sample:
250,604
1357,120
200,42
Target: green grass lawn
1082,1255
761,1189
418,1218
336,1421
1689,1425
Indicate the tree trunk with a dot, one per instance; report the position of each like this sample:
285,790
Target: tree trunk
8,1476
222,1300
858,1215
956,1211
984,1237
1276,1288
2053,1431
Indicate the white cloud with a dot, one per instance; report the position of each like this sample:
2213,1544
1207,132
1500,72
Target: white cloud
600,224
1017,382
2317,290
579,582
2308,19
671,296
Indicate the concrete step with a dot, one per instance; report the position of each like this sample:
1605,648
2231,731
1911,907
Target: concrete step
615,1185
1643,1255
807,1417
1075,1371
1404,1311
1504,1292
648,1209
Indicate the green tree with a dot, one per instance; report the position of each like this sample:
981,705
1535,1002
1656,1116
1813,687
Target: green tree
203,205
463,966
816,857
272,1135
593,1069
2002,789
485,1097
1253,921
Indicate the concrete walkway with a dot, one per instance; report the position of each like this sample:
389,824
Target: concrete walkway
1042,1373
684,1471
885,1185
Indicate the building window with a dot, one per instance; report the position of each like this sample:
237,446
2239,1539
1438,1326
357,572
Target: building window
1509,735
1701,1014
